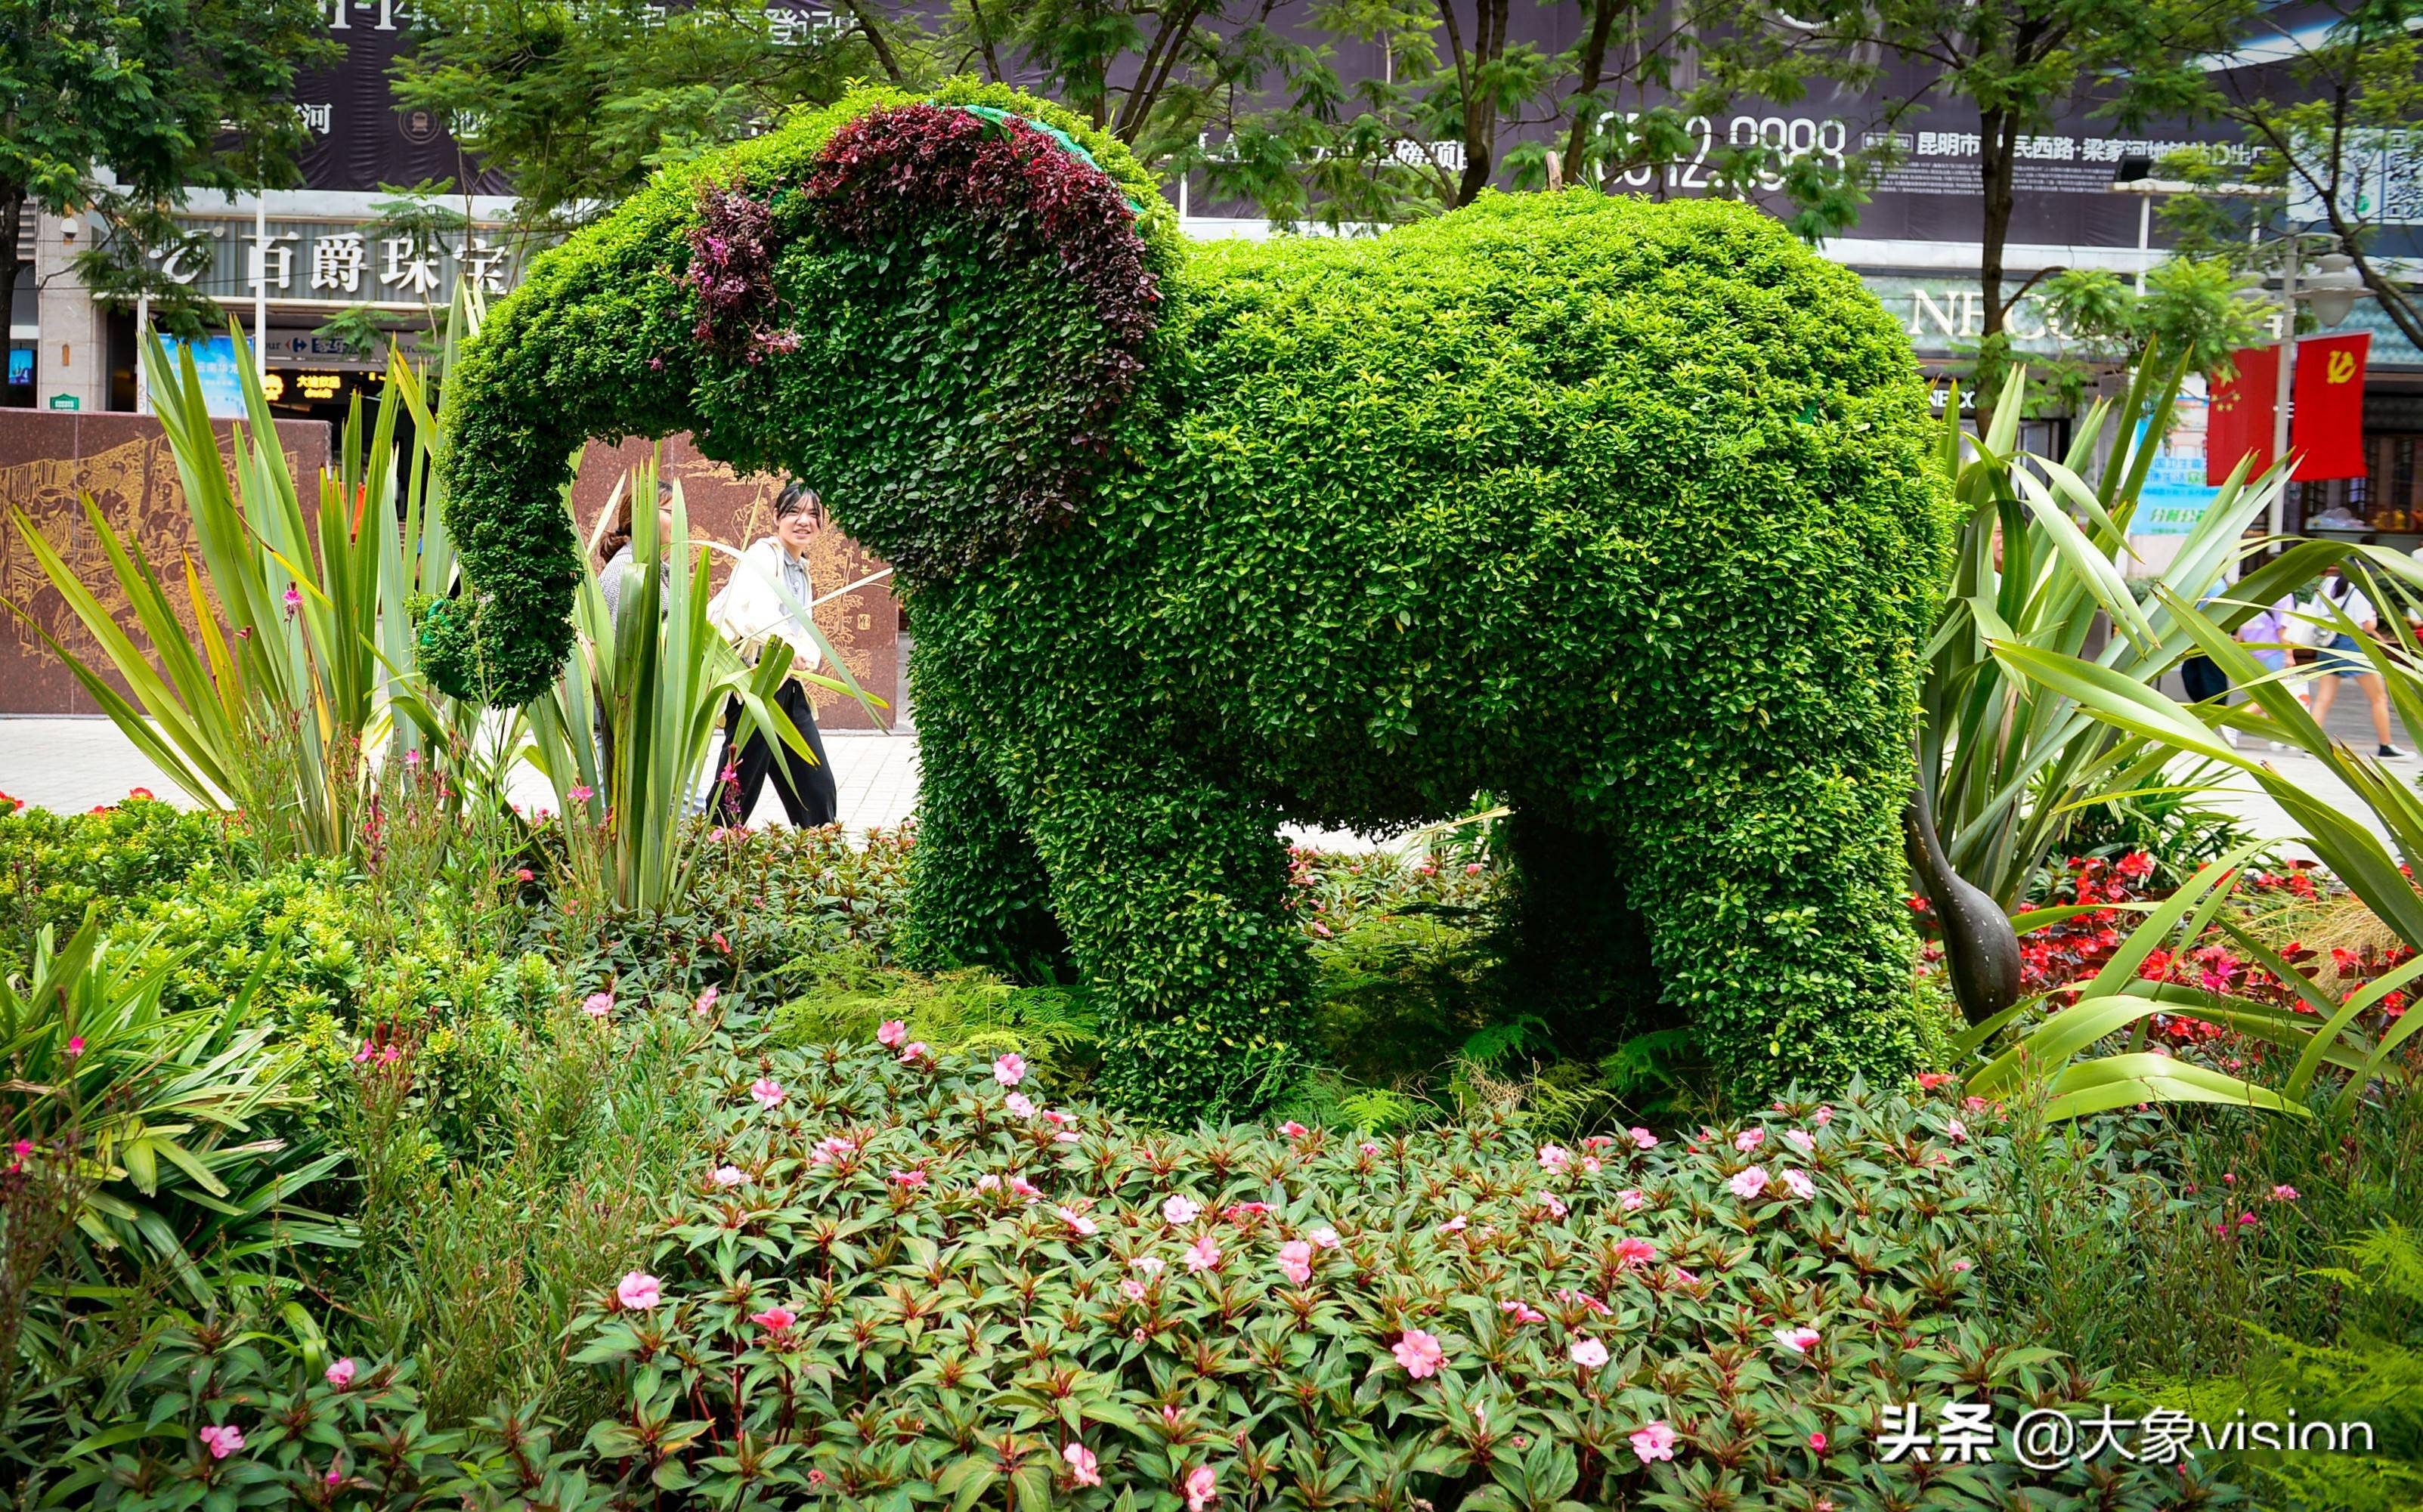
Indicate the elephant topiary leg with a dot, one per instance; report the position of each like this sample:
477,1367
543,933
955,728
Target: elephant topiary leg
1172,889
976,891
1777,923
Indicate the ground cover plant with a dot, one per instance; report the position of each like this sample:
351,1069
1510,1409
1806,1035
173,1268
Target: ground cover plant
1090,451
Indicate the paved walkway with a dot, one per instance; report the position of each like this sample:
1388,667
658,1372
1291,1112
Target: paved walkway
70,765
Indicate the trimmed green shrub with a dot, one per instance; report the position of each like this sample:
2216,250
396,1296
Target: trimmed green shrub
1621,510
53,866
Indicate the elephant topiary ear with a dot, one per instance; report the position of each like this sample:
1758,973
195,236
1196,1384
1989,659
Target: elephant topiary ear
955,358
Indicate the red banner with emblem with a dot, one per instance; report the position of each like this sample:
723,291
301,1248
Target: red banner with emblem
2326,426
2239,422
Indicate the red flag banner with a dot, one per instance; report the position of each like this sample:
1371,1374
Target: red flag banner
2239,422
2326,426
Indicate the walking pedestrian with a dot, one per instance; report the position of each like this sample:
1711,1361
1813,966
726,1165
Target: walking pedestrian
762,610
2343,659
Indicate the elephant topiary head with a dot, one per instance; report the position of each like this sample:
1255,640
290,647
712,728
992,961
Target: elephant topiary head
942,309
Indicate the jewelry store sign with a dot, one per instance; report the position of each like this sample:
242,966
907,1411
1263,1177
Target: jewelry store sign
342,263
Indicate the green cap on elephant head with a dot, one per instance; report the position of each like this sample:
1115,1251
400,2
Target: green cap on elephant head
937,308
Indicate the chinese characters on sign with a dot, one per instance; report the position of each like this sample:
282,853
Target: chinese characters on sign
1964,1433
325,262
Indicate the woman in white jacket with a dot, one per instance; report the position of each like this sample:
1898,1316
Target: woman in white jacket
766,599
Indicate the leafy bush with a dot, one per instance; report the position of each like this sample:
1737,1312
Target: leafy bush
53,866
1357,526
893,1272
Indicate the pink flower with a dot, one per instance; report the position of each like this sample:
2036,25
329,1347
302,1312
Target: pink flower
729,1177
912,1052
1801,1140
1199,1489
1630,1200
1642,1139
224,1438
914,1180
1151,1264
1749,1140
1204,1256
1080,1465
1929,1080
891,1032
1021,1187
1960,1265
1821,1117
1324,1237
1294,1130
768,1092
1081,1225
1420,1353
774,1318
1180,1209
293,600
340,1375
75,1045
639,1291
1017,1103
705,1003
1799,1341
1588,1354
1369,1148
1522,1311
1453,1225
1817,1442
1799,1184
1295,1261
1749,1184
987,1183
1009,1070
582,794
1959,1130
598,1004
523,874
1654,1440
1555,1157
1555,1206
1632,1252
2283,1194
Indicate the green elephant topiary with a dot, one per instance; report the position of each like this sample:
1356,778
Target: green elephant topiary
1623,510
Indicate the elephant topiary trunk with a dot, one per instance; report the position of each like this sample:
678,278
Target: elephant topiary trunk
1620,511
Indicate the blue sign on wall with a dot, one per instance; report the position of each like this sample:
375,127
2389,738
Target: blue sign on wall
214,364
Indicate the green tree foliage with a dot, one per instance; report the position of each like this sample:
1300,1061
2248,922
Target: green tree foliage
579,103
122,108
1625,510
2333,121
2020,64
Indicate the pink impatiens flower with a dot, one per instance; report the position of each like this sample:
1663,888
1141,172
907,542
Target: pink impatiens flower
2283,1194
75,1045
1151,1264
1554,1204
1324,1237
1009,1070
1642,1139
598,1004
1821,1117
1799,1341
1749,1184
1749,1140
705,1003
1801,1140
768,1092
1522,1311
1204,1254
340,1375
891,1034
1024,1189
1654,1440
912,1052
1018,1104
1453,1225
915,1181
1132,1289
1295,1261
1631,1253
1959,1130
224,1438
639,1291
1077,1222
1082,1465
1294,1130
1419,1352
774,1320
1555,1157
1630,1200
1201,1490
729,1177
1799,1184
1588,1354
1181,1209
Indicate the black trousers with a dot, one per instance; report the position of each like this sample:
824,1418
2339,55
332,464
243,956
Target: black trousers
809,797
2204,680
